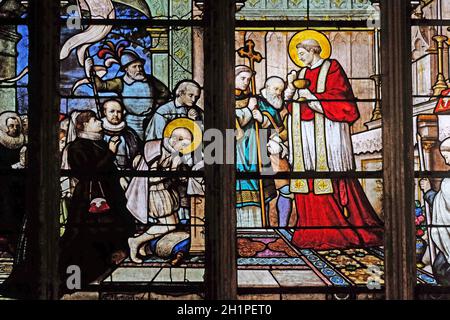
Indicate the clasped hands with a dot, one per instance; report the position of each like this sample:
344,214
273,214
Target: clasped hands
253,106
275,144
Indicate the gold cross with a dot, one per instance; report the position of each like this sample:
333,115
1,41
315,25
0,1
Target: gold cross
248,51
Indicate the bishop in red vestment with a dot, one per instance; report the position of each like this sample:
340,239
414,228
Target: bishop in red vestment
332,213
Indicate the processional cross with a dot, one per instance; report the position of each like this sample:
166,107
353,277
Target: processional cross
248,52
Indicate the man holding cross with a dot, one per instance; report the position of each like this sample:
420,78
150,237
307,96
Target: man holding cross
249,207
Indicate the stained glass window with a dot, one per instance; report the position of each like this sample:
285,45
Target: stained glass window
133,9
308,107
139,84
13,130
430,68
307,10
311,211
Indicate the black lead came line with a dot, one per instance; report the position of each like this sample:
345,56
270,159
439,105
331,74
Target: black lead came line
239,175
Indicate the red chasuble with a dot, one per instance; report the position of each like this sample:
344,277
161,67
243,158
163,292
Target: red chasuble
335,219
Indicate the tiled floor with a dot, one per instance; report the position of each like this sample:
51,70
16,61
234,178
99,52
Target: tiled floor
288,266
6,264
155,270
265,260
155,275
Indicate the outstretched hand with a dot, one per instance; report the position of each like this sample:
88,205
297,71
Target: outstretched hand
292,76
305,93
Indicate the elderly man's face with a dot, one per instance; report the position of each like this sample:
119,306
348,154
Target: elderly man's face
190,96
113,112
136,71
243,80
180,139
307,57
276,89
275,94
13,127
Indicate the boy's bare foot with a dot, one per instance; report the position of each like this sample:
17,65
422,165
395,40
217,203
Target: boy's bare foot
133,250
179,258
143,251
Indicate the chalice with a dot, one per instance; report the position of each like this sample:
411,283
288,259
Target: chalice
302,84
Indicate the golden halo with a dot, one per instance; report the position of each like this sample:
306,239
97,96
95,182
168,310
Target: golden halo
301,36
190,125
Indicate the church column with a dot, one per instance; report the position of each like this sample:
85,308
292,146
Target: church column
43,160
221,273
400,264
8,56
180,45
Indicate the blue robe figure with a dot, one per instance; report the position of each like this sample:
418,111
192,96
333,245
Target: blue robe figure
248,199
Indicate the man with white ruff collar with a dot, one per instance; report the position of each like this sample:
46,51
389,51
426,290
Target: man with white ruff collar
11,140
114,126
141,93
12,189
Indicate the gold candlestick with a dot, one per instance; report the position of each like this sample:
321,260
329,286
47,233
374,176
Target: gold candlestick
376,114
440,85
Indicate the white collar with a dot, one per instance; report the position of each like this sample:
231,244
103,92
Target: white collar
317,64
94,136
113,128
11,142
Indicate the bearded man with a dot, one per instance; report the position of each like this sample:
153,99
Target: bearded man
274,116
141,93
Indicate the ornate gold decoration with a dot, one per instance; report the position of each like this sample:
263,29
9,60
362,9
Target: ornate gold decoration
190,125
440,85
301,36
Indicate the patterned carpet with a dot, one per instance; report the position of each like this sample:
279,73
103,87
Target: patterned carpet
269,249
